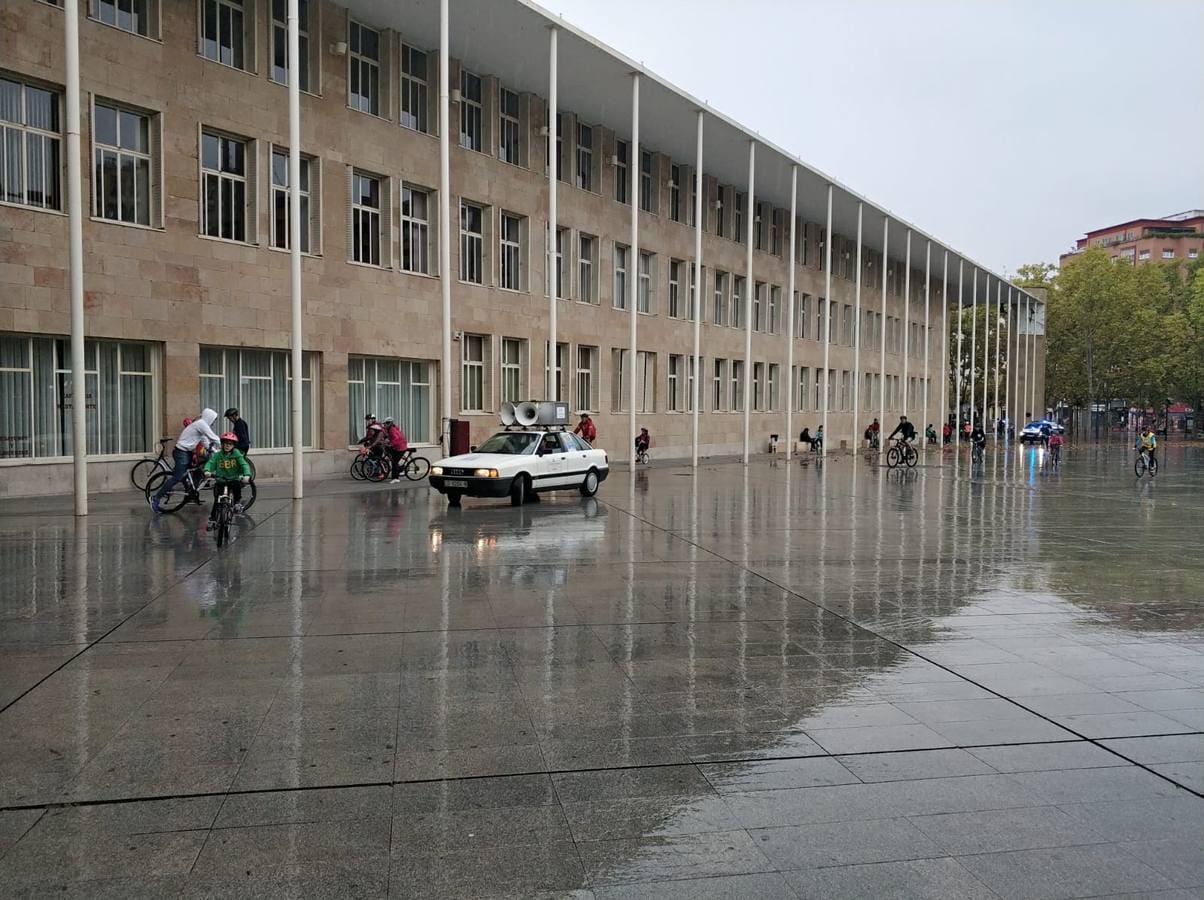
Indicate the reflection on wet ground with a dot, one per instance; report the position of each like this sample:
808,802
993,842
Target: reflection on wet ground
772,682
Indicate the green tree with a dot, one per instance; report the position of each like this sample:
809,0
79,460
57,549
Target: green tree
1032,275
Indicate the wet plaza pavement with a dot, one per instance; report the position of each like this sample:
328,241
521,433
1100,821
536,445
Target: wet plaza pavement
772,682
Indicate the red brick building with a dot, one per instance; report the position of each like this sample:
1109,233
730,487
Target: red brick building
1176,237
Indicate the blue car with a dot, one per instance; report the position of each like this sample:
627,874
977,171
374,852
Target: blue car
1032,432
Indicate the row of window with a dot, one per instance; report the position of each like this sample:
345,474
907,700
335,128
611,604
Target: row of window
1128,254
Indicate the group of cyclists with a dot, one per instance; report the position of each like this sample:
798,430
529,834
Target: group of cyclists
221,458
385,439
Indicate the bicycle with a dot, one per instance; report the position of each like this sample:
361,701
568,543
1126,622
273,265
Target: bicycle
224,516
902,453
1145,463
144,468
976,453
190,489
371,467
413,467
641,455
1055,455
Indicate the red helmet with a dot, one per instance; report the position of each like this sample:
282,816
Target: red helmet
229,436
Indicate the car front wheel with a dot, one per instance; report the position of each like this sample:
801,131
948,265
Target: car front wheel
589,486
518,490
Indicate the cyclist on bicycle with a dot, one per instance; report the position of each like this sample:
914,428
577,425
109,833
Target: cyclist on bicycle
239,426
978,439
197,433
1055,446
905,430
643,441
930,434
228,468
399,447
872,433
1148,443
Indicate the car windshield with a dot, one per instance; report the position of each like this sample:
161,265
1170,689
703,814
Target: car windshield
513,443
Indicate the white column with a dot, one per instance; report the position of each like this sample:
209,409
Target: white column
973,342
750,288
998,315
828,241
1007,363
294,238
882,336
957,375
986,350
945,345
857,429
791,381
549,385
906,321
75,261
445,377
1028,408
1038,413
927,302
633,264
698,291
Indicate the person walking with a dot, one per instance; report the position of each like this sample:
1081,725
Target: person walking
200,431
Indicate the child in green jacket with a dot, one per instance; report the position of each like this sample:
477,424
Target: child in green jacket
228,467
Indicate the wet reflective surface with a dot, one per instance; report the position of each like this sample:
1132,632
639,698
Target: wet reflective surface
772,682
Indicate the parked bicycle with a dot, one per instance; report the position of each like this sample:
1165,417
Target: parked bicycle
144,468
1145,463
902,453
371,466
189,488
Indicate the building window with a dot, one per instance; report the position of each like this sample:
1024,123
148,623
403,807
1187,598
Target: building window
121,182
29,145
225,200
718,384
693,311
512,252
400,388
310,232
846,325
585,157
36,397
557,265
646,195
738,217
472,243
415,230
133,16
644,299
514,364
227,29
367,192
1193,253
1168,253
802,387
720,297
737,401
280,42
587,376
760,225
587,249
775,235
620,367
259,383
846,389
758,387
738,301
775,306
622,165
646,382
559,390
364,60
719,220
510,143
676,377
472,373
675,174
414,98
620,295
691,213
675,288
471,137
758,311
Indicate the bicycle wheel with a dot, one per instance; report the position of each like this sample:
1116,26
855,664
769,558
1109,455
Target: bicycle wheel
357,469
249,493
1139,466
222,529
892,457
142,471
251,464
417,468
377,470
173,499
911,457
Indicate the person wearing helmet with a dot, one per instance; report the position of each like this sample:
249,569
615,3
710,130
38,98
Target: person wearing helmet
239,426
398,447
229,470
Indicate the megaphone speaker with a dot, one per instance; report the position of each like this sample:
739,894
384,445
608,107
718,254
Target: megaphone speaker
526,413
507,414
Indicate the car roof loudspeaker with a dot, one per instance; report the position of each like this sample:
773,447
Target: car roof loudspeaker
508,414
526,413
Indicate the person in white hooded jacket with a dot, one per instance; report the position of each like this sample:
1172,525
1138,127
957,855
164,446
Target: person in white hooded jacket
199,432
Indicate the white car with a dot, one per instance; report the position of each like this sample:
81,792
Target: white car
519,463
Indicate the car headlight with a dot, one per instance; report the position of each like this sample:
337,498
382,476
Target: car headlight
485,473
436,470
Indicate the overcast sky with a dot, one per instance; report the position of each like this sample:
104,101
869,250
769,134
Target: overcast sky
1005,127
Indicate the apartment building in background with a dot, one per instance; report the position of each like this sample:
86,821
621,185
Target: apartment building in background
186,263
1174,237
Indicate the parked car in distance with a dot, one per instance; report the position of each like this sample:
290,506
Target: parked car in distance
1032,431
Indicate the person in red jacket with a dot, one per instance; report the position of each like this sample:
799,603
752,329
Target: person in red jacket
398,446
586,428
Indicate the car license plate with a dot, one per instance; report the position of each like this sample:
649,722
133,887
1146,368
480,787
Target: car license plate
454,483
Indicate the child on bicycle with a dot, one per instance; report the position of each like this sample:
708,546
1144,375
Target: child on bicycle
643,441
1055,445
228,468
1149,443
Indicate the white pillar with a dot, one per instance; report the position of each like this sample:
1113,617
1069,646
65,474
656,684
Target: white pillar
445,378
750,288
1028,408
945,345
882,336
698,291
998,315
857,429
973,342
927,301
1038,413
906,321
75,258
1007,363
791,381
957,375
828,241
986,349
550,385
294,238
633,265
